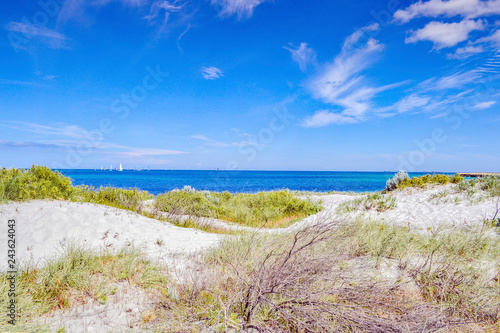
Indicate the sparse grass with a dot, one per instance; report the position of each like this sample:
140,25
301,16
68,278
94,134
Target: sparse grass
375,201
308,281
489,184
78,277
269,209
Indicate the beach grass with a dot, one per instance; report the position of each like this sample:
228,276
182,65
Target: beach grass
79,276
264,209
379,202
342,277
355,276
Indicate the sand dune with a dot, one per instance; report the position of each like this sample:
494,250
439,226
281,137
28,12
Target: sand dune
43,228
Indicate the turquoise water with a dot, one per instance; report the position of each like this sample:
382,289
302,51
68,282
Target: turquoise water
159,181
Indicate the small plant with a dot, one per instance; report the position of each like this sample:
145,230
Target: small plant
394,182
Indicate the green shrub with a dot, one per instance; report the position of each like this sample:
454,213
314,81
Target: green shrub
129,199
274,208
38,182
423,181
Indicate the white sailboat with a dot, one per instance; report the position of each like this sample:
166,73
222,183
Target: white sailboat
111,167
120,169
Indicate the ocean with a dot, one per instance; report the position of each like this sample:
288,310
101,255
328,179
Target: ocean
160,181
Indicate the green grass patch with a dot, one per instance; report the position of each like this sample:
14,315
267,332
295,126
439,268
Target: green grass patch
269,209
80,276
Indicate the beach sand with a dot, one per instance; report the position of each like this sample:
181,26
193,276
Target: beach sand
45,228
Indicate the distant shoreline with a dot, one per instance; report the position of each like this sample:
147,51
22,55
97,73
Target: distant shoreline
478,174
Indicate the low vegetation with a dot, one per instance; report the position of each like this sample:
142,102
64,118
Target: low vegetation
34,183
131,199
401,180
337,278
489,184
269,209
80,276
40,182
377,201
334,277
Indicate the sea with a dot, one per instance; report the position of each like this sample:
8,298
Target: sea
160,181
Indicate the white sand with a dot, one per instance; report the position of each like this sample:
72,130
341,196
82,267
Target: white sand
44,227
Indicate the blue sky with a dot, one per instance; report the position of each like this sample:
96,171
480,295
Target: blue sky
251,84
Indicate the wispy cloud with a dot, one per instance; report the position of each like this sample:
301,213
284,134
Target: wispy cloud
445,34
161,12
448,8
66,137
242,8
214,143
454,81
343,84
484,105
18,82
30,32
324,117
465,52
302,55
412,102
164,15
211,73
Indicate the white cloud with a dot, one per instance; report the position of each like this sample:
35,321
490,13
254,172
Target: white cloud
47,36
449,8
409,103
303,55
211,73
343,74
17,82
160,13
445,34
360,34
494,38
484,105
63,136
215,143
325,117
465,52
242,8
453,81
343,84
